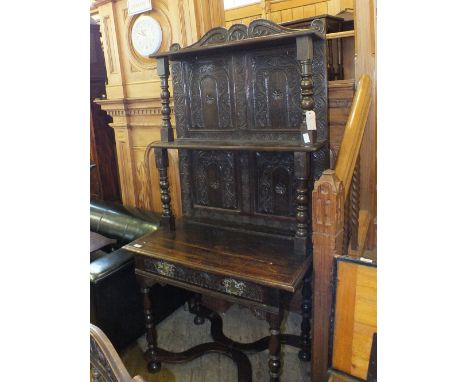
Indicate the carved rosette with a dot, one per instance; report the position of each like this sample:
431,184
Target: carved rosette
318,25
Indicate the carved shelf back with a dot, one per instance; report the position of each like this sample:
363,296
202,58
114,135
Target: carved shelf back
249,84
253,93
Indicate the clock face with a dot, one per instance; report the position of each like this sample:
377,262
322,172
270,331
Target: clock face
146,35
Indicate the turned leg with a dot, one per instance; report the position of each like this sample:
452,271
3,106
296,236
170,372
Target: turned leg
304,353
274,345
199,319
151,335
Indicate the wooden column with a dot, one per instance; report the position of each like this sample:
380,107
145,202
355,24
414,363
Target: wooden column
302,173
327,226
305,55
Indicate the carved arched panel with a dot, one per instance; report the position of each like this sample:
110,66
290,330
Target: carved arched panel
209,95
215,183
275,183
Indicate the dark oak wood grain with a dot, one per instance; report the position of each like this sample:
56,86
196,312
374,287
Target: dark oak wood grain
247,162
238,146
264,259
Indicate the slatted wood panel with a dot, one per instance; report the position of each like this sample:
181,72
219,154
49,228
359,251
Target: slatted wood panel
243,15
355,318
284,10
340,99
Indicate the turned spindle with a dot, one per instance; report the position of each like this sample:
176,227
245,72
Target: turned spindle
301,173
162,67
162,163
354,200
304,56
151,335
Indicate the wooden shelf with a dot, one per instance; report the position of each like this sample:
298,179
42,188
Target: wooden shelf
238,44
237,146
331,36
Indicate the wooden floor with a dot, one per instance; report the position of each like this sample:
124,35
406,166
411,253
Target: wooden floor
178,333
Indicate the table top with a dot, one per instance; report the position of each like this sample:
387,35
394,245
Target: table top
252,256
98,241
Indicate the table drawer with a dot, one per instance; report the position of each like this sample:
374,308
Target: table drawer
227,285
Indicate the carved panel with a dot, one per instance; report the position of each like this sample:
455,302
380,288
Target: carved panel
100,363
202,190
239,32
275,183
227,285
185,181
240,95
251,94
275,89
179,90
239,74
320,88
209,94
254,95
214,182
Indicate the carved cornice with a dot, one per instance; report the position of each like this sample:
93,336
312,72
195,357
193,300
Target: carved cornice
236,32
127,112
131,107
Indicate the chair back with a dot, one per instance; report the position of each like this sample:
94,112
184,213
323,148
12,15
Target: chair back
106,364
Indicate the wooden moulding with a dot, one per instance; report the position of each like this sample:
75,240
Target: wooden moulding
237,146
354,131
327,228
335,35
